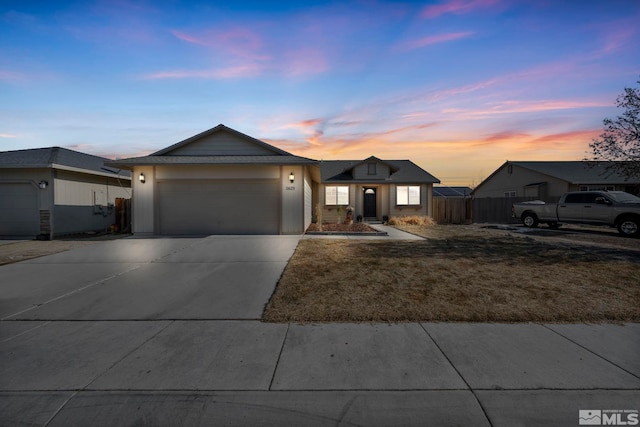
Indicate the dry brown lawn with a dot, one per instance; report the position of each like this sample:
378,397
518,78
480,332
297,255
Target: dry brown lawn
458,274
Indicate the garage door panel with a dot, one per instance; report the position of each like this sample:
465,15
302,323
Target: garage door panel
197,207
19,214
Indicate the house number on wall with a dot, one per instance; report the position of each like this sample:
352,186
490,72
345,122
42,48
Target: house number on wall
290,188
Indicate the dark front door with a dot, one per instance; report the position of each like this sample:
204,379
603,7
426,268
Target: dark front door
370,203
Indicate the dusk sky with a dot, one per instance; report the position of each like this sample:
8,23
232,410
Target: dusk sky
457,86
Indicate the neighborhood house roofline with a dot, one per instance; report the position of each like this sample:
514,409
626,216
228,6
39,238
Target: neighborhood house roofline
406,172
370,159
573,172
61,159
219,128
289,160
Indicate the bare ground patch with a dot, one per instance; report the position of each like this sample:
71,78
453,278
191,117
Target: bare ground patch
29,249
458,274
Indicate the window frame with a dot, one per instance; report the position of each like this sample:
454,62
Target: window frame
336,201
408,194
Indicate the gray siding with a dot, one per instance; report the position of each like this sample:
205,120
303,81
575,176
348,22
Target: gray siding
80,219
221,144
361,172
517,180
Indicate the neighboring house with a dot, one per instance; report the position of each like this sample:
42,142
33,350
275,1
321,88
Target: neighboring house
222,181
54,191
549,180
374,188
520,181
451,192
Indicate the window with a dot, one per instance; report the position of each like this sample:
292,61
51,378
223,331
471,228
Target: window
408,195
509,194
576,198
597,188
336,195
371,169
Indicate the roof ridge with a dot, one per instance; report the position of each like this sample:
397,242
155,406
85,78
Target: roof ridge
53,155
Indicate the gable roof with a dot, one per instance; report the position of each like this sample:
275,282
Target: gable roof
201,150
403,172
372,159
217,129
59,158
573,172
577,172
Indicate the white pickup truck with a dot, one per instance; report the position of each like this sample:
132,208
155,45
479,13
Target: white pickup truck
612,208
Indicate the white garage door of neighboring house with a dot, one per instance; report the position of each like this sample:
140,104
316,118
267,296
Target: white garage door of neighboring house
19,215
198,207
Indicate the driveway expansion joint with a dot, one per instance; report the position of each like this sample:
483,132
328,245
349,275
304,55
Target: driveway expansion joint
590,351
475,396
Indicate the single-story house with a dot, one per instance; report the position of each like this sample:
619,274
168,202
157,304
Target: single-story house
375,189
222,181
550,180
47,192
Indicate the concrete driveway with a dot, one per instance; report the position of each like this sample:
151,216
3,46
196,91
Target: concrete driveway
218,277
166,332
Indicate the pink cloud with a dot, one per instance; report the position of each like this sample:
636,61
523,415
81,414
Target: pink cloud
305,62
238,42
8,135
455,6
241,71
6,75
506,136
426,41
580,135
511,107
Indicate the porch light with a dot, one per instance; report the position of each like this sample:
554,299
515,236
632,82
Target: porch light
141,178
292,177
43,184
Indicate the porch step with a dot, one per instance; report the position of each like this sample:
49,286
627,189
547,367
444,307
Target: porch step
372,221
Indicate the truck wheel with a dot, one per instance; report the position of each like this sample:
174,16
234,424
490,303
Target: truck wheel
629,227
530,220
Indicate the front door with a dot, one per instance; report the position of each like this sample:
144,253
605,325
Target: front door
369,203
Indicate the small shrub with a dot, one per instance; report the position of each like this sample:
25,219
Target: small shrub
411,220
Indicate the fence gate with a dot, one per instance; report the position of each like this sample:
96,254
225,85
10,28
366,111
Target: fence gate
452,210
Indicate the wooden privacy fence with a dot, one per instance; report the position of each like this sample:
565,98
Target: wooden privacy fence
452,210
498,209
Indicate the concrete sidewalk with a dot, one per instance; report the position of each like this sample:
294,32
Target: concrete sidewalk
166,332
392,233
61,373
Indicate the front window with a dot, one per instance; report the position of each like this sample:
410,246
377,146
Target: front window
336,195
509,194
408,195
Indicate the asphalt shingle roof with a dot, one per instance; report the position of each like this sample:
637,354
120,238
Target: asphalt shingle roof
577,172
56,157
212,160
406,172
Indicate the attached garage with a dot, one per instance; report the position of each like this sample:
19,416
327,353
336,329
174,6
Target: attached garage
193,207
19,214
220,181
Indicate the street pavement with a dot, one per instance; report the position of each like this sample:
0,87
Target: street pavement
167,332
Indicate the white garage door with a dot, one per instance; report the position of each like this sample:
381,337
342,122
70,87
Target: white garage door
200,207
19,214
